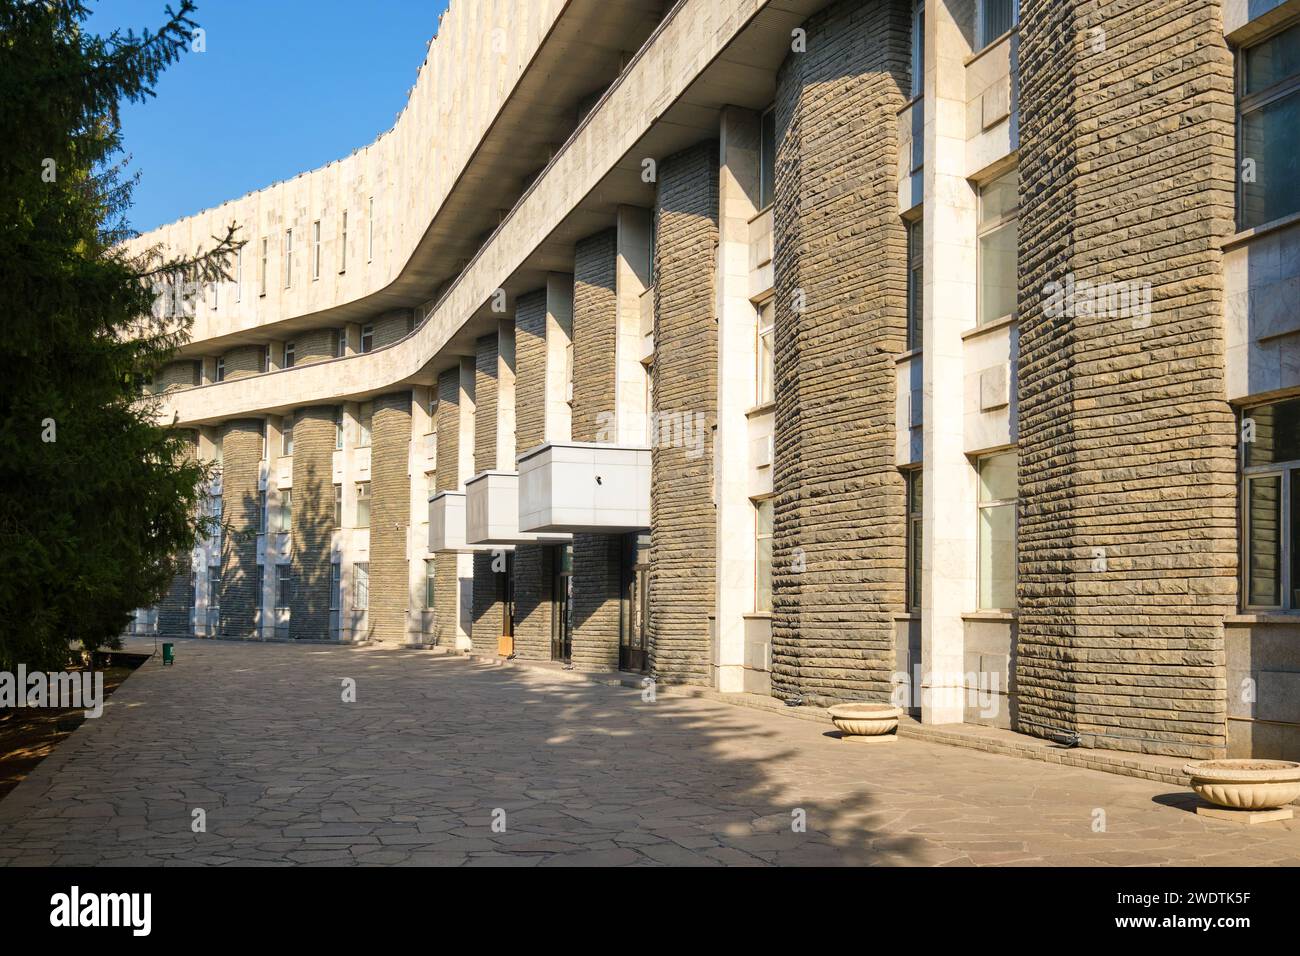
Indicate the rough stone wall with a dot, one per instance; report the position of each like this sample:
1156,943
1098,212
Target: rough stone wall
597,569
390,516
245,361
686,394
241,444
391,326
534,566
840,251
488,606
485,404
446,418
597,558
595,336
445,605
313,523
1126,443
177,375
530,370
315,345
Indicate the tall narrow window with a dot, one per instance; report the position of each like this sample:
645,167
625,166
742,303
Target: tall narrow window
288,258
334,587
915,283
338,506
286,426
428,582
338,428
221,368
361,585
289,356
265,444
996,17
315,250
282,515
265,361
363,504
914,480
997,531
261,268
367,338
283,585
365,415
214,586
343,244
1268,129
370,230
918,48
766,373
261,512
341,343
763,555
998,208
767,159
1269,490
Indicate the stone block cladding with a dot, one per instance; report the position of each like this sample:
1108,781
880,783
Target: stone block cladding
390,516
840,280
313,523
1126,441
685,376
245,361
241,444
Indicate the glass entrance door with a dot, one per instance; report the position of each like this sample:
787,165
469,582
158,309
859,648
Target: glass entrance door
633,643
562,604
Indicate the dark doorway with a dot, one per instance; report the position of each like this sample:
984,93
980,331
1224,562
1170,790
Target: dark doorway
562,604
633,639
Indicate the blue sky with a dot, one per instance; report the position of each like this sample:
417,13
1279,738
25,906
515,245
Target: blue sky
284,86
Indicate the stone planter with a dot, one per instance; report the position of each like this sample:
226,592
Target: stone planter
866,722
1247,785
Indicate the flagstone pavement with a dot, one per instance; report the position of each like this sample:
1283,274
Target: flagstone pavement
445,761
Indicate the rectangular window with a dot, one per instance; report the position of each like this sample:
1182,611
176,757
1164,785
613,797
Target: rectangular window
265,444
338,506
766,331
763,555
315,250
361,586
370,231
367,338
338,428
214,586
363,504
265,361
221,369
286,434
428,583
915,488
1270,464
996,17
997,531
341,343
365,414
918,48
1268,129
289,350
998,208
261,269
343,244
915,283
282,513
261,512
283,585
334,587
767,159
288,258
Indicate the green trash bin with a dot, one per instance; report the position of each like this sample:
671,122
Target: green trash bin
168,656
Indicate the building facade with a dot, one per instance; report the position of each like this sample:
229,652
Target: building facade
943,351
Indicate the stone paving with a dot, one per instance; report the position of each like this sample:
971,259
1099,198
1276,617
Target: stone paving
435,748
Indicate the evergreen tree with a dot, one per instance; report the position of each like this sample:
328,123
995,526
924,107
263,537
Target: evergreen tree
97,497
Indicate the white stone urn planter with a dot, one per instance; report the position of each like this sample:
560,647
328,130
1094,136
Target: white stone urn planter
1247,785
865,721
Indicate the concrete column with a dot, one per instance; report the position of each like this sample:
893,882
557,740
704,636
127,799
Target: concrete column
390,512
738,187
313,523
241,442
948,582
